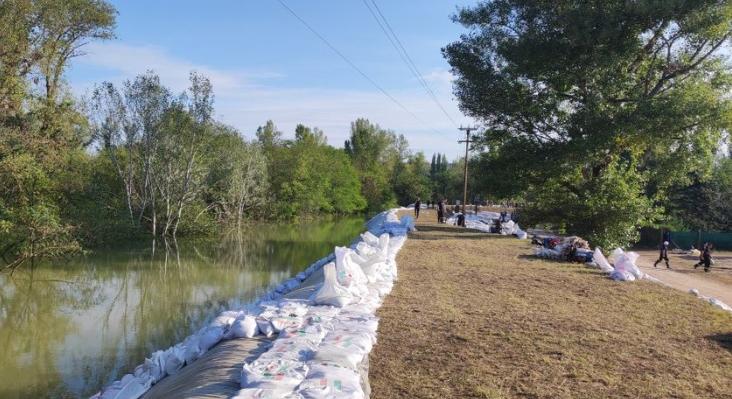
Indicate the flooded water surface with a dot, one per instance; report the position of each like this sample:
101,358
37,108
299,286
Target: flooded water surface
69,327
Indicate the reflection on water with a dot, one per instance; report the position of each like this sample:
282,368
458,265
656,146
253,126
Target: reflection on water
68,328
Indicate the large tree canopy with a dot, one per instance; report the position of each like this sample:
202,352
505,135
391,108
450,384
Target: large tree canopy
589,99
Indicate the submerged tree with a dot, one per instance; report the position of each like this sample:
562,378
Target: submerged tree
41,128
595,109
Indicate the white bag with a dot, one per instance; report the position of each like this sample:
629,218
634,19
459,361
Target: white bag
326,381
331,293
244,327
344,348
128,387
280,374
174,359
210,337
265,326
600,260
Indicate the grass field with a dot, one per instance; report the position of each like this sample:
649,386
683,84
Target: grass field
474,316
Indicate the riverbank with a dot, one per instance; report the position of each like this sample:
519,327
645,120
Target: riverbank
476,316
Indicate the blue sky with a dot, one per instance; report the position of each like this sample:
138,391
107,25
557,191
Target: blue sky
265,64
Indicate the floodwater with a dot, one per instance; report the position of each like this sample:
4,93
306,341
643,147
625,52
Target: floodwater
70,327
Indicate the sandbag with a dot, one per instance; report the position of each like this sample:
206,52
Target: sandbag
245,327
259,393
210,337
331,292
601,261
265,327
344,348
625,264
293,348
128,387
325,381
280,374
174,359
370,238
349,274
155,366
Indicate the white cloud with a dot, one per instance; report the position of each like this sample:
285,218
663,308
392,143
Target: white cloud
245,101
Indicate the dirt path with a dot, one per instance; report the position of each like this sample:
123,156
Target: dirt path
682,276
475,316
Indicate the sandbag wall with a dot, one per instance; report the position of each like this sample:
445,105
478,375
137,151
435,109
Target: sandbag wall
301,325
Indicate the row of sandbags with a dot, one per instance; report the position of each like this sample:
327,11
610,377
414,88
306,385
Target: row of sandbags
264,318
486,221
321,353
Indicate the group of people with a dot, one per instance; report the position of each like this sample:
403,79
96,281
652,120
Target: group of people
705,255
441,216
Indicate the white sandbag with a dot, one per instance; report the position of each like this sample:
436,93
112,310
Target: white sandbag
155,366
331,292
331,382
508,228
716,302
265,327
174,359
294,348
615,255
361,321
345,349
370,239
210,337
625,263
128,387
601,261
365,250
350,275
313,333
224,320
619,275
245,327
279,323
281,374
522,235
259,393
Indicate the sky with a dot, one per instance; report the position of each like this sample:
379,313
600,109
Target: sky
265,64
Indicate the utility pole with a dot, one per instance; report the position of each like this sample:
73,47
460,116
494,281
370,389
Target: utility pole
467,142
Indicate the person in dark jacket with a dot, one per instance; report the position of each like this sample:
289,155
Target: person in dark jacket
417,207
441,211
705,257
663,255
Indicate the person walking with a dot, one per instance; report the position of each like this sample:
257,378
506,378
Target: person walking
706,257
440,211
417,207
663,255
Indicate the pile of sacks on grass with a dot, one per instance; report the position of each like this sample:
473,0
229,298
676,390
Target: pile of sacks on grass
572,249
621,266
320,341
491,222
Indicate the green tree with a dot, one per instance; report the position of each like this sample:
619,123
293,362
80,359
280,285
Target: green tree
41,128
580,95
374,154
412,180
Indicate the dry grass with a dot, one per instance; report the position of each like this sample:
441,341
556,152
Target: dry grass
473,317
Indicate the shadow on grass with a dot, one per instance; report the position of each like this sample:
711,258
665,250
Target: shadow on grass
723,340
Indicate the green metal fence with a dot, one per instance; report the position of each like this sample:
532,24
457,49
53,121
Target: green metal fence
685,239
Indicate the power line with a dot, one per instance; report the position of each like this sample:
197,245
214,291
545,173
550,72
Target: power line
349,62
404,55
